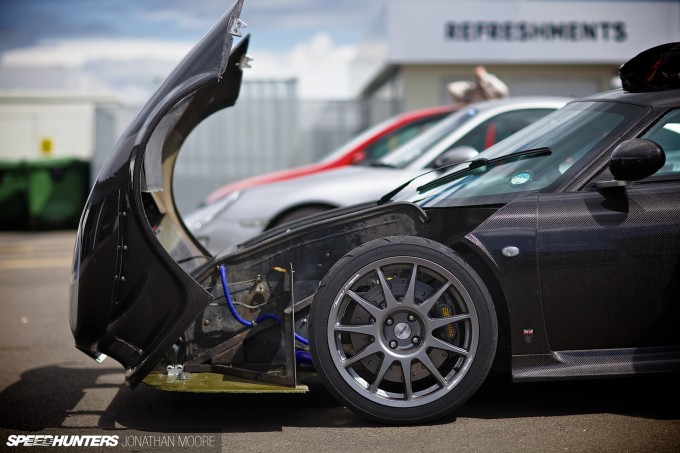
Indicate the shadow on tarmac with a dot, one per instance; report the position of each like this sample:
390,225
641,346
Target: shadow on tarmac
46,397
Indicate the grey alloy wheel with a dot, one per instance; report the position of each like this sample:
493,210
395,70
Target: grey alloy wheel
402,320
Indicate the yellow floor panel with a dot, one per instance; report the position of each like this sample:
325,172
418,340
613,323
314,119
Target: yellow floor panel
216,383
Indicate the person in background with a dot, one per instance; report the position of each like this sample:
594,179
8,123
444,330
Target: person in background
484,86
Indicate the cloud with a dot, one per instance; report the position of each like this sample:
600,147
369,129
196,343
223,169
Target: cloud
277,12
181,20
77,53
132,68
320,66
128,68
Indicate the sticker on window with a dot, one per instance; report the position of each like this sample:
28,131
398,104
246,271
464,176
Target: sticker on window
520,178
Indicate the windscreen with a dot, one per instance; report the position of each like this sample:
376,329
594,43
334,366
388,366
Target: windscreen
384,145
420,145
572,133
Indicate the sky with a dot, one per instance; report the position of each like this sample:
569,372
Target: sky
127,47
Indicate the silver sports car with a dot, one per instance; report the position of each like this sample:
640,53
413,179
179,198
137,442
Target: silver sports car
459,137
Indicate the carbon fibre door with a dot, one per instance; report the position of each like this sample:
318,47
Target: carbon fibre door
609,266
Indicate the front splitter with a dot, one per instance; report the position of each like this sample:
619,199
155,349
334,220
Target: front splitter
215,383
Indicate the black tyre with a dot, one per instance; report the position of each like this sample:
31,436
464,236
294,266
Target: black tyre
402,303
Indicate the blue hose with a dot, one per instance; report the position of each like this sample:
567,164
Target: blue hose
230,304
303,357
232,309
301,339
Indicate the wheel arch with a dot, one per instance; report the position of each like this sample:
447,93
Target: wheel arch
502,364
321,206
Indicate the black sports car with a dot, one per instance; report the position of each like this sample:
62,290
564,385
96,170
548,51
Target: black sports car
552,255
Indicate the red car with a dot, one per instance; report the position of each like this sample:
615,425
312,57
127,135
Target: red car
370,145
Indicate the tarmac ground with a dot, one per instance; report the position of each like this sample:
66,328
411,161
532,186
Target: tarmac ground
47,387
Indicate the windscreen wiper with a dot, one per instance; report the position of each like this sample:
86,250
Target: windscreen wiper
474,164
482,162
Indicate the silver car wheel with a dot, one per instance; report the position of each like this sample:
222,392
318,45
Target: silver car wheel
403,331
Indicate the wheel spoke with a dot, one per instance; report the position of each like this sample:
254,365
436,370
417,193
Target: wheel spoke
384,316
366,305
369,350
427,363
441,344
387,293
426,306
410,296
384,366
408,385
436,323
364,329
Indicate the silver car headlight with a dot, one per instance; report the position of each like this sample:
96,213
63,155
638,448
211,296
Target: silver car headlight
203,216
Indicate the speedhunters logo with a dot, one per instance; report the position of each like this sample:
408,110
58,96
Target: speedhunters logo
128,441
43,440
522,31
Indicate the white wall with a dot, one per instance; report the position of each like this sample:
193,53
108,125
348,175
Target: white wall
425,85
537,47
27,120
526,32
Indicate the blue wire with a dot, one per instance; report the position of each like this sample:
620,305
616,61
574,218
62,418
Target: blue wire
232,309
230,304
301,339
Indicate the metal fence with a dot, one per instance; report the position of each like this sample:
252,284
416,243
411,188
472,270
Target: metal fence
268,129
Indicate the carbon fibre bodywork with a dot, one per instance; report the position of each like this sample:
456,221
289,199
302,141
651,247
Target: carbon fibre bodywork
595,281
130,298
583,268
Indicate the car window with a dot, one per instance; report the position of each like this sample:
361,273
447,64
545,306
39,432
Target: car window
413,150
573,134
358,140
499,127
396,138
667,134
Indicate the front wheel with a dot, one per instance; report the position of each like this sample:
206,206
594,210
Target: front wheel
402,330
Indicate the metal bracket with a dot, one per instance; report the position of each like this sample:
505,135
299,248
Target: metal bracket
245,61
177,371
236,28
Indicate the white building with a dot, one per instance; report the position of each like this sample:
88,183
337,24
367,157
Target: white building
35,124
414,49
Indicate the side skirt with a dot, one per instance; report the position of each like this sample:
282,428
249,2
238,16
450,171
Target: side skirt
594,363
